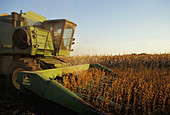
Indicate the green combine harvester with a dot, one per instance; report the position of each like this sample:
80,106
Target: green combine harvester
31,54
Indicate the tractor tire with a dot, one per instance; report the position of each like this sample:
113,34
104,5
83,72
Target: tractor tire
22,64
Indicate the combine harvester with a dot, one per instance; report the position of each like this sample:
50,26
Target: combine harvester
31,54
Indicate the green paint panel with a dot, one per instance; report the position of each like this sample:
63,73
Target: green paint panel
40,83
64,53
43,40
32,18
52,73
6,31
53,62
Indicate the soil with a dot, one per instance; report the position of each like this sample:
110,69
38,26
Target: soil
20,104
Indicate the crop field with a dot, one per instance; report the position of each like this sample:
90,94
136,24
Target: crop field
140,85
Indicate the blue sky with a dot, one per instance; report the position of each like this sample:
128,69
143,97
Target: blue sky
107,27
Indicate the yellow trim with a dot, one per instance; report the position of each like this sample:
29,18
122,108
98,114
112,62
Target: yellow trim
4,14
14,78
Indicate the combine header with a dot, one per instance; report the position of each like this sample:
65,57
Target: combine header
31,54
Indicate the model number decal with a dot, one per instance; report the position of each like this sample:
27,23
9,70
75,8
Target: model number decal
6,46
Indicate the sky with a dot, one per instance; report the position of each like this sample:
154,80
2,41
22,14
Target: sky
107,27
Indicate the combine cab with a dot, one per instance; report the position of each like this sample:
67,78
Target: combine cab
31,54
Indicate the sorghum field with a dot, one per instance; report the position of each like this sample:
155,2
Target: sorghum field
141,86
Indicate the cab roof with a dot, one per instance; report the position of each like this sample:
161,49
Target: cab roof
60,20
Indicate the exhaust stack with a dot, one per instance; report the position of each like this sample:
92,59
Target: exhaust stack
14,18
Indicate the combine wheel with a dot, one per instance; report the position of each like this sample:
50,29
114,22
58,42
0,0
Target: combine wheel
23,64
